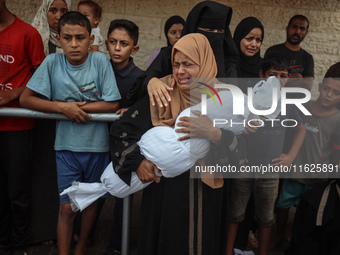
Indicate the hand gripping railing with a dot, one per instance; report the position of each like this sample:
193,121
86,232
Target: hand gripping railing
106,117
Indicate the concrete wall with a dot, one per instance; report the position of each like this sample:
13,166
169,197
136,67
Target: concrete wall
322,40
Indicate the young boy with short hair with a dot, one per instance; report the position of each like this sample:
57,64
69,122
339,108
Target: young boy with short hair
321,144
265,148
75,83
93,12
122,39
121,42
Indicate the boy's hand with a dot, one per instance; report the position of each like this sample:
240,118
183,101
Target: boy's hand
146,172
284,160
159,91
73,111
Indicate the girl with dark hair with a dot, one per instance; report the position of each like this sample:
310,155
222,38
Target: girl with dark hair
248,37
172,29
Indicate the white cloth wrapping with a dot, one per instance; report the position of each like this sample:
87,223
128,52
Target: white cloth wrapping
172,157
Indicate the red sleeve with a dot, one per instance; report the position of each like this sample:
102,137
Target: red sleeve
35,47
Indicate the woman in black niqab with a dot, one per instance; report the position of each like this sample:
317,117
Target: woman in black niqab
211,15
207,15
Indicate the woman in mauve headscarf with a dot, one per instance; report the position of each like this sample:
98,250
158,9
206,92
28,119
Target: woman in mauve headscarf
46,22
180,215
209,18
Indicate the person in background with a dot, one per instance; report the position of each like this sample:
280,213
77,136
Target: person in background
321,144
93,12
121,42
209,18
46,22
302,62
248,38
317,222
21,52
172,29
264,147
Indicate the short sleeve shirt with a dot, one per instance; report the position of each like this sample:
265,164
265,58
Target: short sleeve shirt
21,48
57,80
301,61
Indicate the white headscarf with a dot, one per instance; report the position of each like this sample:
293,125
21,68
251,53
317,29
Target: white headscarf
40,22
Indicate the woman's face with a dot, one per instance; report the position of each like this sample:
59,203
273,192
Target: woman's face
184,69
174,33
250,45
58,8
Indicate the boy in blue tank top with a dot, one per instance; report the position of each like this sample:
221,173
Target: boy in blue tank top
75,83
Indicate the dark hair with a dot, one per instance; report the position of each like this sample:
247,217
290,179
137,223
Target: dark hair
130,27
74,18
97,10
277,60
299,16
333,72
171,21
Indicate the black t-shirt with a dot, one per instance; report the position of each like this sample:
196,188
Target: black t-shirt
301,61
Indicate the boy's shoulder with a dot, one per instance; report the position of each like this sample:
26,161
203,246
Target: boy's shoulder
24,28
335,114
98,56
55,58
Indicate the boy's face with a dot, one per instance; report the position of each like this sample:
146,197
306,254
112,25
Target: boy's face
329,92
282,75
75,41
88,12
120,47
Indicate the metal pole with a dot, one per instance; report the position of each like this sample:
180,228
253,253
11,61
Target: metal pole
26,113
126,225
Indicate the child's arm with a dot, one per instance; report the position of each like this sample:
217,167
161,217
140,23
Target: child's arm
72,110
101,106
287,159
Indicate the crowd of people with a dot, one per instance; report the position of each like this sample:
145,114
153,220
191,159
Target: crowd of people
57,66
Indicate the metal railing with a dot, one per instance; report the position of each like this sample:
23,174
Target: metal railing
105,117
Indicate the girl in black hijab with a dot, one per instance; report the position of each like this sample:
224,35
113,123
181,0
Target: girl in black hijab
172,29
248,37
173,20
